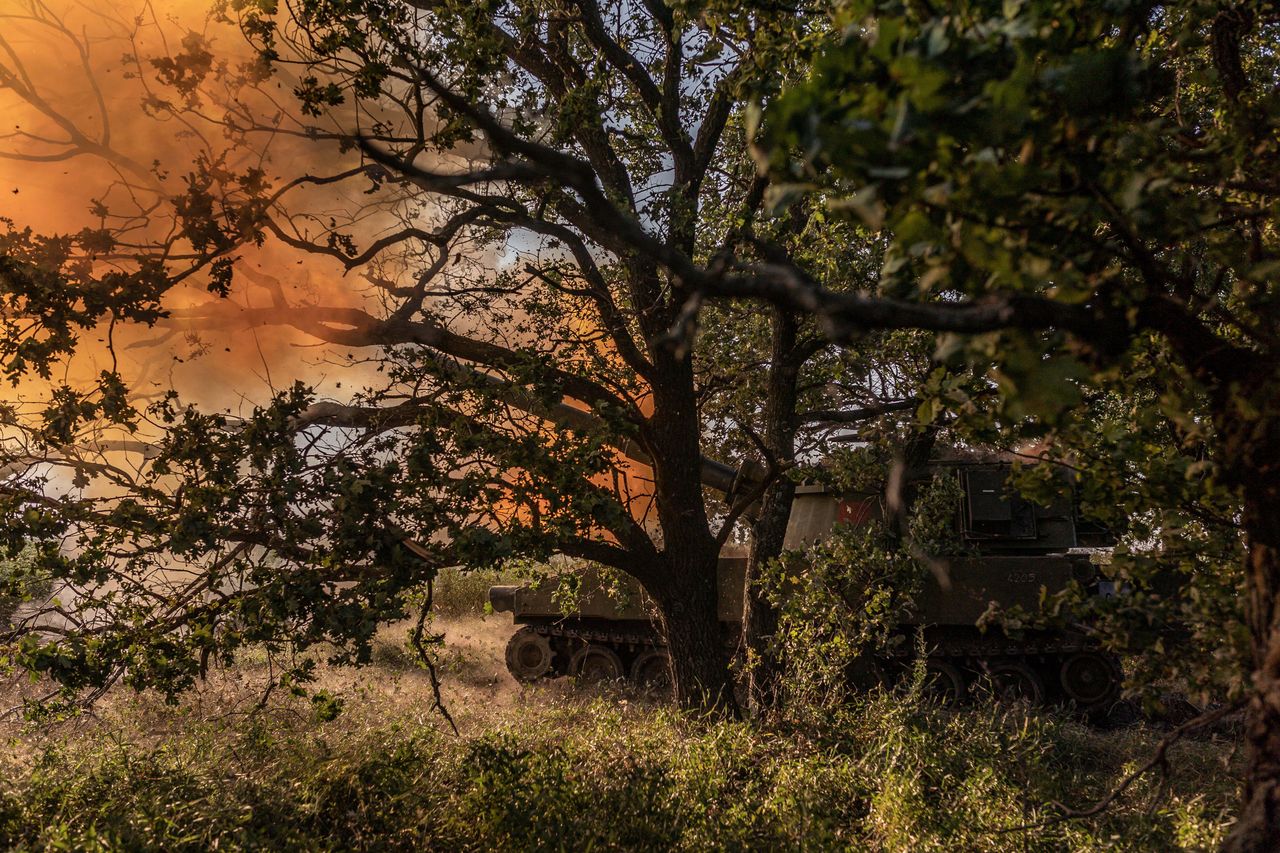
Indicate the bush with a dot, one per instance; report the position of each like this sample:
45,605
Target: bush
841,602
885,773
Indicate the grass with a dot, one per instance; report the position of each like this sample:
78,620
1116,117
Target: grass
552,767
555,769
459,593
17,586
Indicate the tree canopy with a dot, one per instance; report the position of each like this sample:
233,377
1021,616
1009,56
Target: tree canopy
1088,191
548,228
521,195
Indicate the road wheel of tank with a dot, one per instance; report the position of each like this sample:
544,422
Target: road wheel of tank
651,671
1014,681
594,664
866,673
529,654
1089,679
943,682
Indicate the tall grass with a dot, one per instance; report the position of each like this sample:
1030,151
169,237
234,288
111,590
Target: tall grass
886,773
458,593
19,584
550,769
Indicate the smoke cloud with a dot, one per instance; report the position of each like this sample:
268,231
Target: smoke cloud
111,109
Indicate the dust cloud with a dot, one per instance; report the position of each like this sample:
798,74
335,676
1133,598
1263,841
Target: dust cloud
108,114
96,118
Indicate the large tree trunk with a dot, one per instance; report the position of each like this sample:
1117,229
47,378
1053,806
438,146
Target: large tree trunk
686,596
1258,826
1255,448
695,638
759,615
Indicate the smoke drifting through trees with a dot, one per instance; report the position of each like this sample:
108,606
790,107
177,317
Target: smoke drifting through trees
291,519
113,114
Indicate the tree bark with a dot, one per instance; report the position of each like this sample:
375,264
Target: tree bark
687,596
1258,826
1253,445
760,616
691,625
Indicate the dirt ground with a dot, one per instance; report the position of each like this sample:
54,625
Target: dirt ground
475,684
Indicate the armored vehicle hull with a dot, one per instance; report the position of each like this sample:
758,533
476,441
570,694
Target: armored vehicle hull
1017,553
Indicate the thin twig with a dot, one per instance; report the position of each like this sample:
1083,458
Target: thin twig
427,662
1158,759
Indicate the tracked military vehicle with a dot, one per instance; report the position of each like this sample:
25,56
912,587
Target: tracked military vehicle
1014,550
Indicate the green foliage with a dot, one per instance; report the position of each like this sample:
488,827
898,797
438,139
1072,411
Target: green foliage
1111,163
989,142
1141,448
1105,157
842,601
19,582
44,279
885,773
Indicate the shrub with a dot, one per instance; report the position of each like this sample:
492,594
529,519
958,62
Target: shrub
884,773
